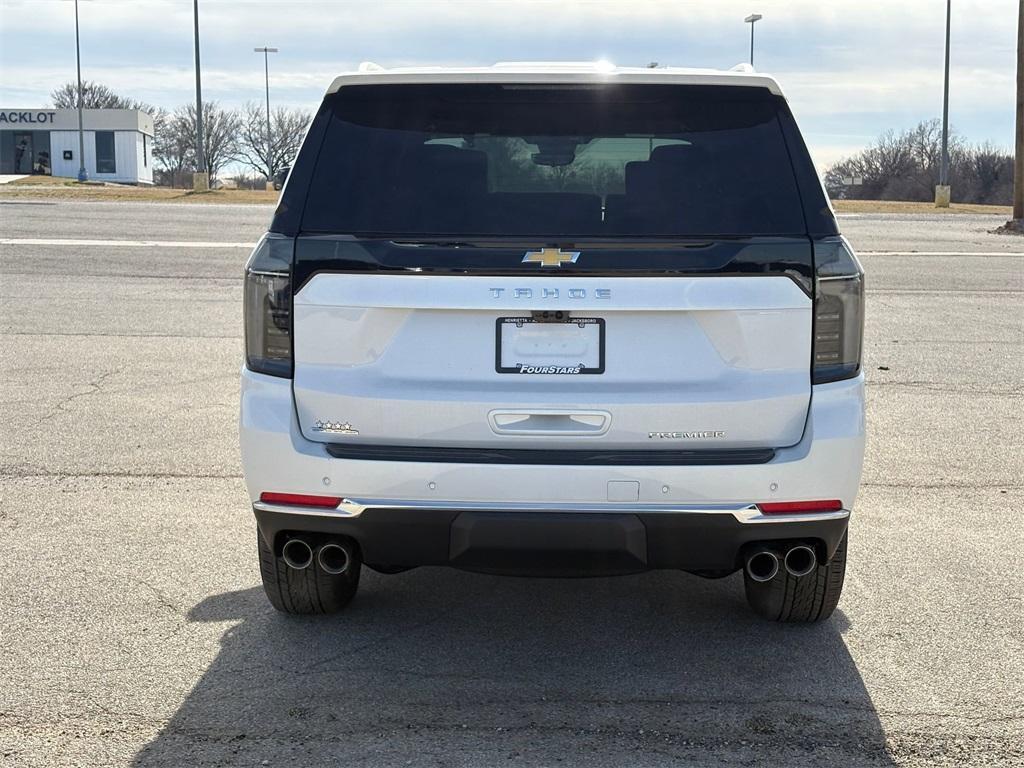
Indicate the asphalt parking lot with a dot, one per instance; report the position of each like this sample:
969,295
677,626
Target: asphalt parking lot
133,630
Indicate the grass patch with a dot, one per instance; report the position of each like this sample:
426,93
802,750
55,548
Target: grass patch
900,206
46,188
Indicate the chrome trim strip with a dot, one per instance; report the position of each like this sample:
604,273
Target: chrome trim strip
295,509
267,273
839,277
744,513
756,516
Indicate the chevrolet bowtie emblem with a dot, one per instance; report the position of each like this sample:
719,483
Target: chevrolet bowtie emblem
551,257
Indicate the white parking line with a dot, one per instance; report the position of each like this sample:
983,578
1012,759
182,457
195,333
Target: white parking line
940,253
125,243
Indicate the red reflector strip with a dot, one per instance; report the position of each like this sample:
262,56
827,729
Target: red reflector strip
300,499
791,507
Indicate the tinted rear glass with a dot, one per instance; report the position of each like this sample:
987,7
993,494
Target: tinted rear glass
587,161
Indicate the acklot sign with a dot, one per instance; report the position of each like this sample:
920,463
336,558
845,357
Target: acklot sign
20,119
27,117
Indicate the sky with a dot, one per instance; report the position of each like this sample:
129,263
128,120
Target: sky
851,69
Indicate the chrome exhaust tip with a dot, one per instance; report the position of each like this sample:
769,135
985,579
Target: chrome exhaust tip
297,554
763,565
800,560
334,558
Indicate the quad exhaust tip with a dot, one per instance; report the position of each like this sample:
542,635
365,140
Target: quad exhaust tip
763,565
297,554
334,558
800,560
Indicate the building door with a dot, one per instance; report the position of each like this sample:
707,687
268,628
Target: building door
23,154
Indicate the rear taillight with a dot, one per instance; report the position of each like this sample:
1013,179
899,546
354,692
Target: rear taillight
799,507
838,311
268,307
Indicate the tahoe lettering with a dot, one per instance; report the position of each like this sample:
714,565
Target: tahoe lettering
551,293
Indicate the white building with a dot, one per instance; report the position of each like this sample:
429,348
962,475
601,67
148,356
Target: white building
118,143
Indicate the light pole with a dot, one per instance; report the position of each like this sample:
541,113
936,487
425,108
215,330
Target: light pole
83,175
200,179
751,19
270,144
1018,153
942,191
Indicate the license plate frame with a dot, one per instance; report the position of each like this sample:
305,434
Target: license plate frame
526,369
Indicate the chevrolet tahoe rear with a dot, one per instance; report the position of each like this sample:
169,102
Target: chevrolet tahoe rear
554,320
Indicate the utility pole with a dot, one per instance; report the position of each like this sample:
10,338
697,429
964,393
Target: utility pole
83,175
942,191
1018,154
751,19
200,179
270,142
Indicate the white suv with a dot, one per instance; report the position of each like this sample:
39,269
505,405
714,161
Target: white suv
554,320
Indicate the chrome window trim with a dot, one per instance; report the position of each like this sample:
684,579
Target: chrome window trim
743,513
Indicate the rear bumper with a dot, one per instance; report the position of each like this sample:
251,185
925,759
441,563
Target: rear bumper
487,516
556,542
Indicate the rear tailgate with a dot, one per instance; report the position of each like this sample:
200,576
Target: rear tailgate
688,362
440,227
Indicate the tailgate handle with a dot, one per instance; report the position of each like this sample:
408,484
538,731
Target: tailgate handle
549,422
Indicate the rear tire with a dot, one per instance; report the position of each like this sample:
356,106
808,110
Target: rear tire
800,599
306,591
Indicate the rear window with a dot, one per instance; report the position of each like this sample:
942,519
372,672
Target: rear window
554,161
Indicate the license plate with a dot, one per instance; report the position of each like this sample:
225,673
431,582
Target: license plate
537,347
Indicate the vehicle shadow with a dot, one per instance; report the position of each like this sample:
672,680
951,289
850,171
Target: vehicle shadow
440,667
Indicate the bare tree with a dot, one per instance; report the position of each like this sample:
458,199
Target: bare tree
220,133
905,166
174,148
986,174
94,96
287,127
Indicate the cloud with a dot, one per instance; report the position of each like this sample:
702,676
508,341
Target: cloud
850,70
